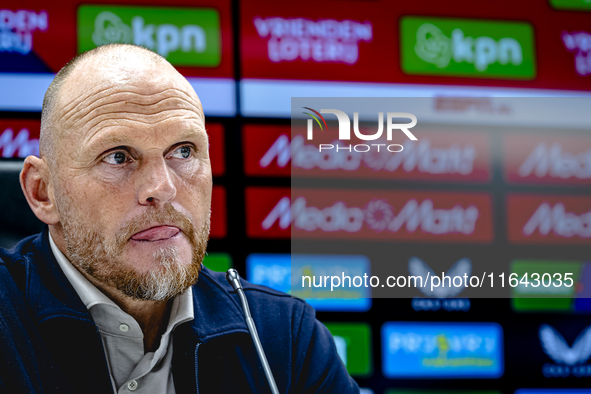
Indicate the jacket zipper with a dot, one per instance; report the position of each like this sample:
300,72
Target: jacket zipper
197,367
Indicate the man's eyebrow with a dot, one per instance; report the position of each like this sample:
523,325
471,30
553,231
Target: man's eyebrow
116,139
124,139
191,133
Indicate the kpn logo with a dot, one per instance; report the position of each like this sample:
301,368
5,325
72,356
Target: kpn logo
184,36
464,47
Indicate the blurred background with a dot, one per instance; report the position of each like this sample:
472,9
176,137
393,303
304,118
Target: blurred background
246,60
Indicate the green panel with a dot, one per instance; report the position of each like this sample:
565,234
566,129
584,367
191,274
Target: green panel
549,299
467,47
545,304
184,36
219,262
583,5
355,340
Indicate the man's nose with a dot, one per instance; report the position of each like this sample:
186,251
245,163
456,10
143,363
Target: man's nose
156,185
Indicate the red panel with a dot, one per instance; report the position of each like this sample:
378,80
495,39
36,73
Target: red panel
259,202
19,138
437,156
378,60
354,56
217,147
219,220
369,215
267,150
549,219
57,45
548,159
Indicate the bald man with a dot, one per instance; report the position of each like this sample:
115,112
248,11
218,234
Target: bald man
112,297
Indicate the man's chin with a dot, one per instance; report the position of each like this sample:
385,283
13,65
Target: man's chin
158,278
145,256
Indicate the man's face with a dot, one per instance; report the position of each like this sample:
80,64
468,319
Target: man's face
132,181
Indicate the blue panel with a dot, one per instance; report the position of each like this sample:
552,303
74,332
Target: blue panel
275,270
16,62
442,350
583,300
553,391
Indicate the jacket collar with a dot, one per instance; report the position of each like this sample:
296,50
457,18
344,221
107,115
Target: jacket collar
217,311
49,294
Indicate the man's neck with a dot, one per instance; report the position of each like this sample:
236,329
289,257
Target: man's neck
152,316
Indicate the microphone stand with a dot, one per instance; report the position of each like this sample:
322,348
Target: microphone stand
234,279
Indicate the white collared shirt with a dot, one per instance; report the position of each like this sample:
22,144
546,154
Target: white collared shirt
131,370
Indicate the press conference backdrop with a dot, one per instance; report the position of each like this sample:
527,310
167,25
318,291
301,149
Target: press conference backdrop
246,59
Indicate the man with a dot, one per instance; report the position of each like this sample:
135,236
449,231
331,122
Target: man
112,296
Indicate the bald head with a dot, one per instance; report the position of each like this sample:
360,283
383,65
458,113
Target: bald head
102,69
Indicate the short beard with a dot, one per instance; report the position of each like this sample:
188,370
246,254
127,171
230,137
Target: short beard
100,257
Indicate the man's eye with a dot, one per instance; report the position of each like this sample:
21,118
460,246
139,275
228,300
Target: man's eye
116,158
184,152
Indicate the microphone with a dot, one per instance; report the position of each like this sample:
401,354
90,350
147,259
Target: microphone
234,280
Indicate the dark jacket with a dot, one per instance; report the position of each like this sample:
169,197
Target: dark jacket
49,342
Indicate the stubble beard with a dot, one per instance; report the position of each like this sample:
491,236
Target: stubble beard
101,257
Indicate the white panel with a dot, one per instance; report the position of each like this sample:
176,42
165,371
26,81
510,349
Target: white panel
272,98
24,92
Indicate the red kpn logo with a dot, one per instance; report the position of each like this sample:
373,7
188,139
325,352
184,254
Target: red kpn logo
345,130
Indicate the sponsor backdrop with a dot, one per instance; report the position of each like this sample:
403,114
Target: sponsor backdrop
519,197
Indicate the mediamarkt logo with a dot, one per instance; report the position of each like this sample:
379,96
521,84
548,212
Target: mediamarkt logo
418,156
327,213
19,144
184,36
378,215
548,158
326,40
570,360
554,218
17,27
549,218
552,160
345,130
439,155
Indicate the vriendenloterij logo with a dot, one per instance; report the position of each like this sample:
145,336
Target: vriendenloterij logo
345,129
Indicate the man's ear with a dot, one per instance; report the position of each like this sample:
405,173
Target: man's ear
35,180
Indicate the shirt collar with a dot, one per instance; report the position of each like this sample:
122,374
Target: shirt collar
182,307
50,295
